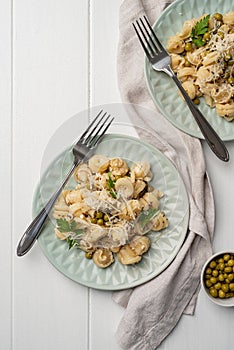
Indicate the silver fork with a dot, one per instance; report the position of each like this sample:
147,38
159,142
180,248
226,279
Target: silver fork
81,150
160,60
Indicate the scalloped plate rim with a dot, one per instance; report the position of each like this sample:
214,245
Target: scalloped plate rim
184,224
170,118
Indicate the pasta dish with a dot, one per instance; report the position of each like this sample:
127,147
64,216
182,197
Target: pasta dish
202,56
110,210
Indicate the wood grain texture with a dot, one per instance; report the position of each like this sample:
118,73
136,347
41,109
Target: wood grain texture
5,174
57,59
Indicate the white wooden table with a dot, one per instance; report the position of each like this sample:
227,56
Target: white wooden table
57,58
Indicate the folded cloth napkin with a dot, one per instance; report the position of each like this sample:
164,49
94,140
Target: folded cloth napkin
154,308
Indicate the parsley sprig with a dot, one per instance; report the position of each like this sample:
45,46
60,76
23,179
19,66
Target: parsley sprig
146,216
199,30
111,185
68,226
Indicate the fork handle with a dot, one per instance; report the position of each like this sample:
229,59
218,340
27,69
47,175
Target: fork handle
212,138
34,229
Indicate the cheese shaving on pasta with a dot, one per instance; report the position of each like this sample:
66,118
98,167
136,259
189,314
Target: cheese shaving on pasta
206,67
111,206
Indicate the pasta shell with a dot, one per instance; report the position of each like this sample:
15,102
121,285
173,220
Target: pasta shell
175,44
82,173
140,170
161,222
118,167
226,110
139,186
127,256
140,244
124,187
190,88
118,234
177,61
228,18
98,163
73,197
151,199
103,258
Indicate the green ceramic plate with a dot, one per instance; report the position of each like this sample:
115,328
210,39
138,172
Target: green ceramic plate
163,90
165,245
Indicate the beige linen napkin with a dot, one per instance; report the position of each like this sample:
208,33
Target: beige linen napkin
154,308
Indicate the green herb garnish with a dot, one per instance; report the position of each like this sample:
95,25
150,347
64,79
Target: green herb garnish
146,216
111,185
71,242
199,30
68,226
63,225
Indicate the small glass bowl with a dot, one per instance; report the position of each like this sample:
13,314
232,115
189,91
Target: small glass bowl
228,302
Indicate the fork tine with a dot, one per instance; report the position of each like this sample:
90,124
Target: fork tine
154,35
91,124
155,49
95,140
142,42
92,140
88,138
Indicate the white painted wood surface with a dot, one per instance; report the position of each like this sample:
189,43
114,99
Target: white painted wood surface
56,59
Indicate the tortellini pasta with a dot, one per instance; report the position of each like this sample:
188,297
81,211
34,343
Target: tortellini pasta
110,210
206,69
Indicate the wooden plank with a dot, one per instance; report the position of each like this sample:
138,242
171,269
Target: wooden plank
104,313
50,85
5,175
103,50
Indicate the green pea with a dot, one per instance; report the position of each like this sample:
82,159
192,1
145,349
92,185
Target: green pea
188,47
230,80
206,36
228,269
213,264
218,16
221,277
93,220
221,34
225,288
213,280
226,257
221,266
230,262
88,255
100,221
187,63
231,287
227,56
218,285
208,271
196,101
213,292
221,294
230,276
99,215
220,260
208,283
215,273
106,217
